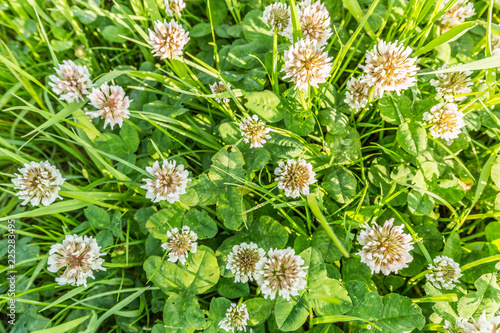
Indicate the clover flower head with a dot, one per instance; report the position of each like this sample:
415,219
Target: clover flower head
72,82
449,85
495,45
168,39
219,88
236,318
386,248
457,14
447,122
445,273
174,7
170,181
314,22
483,325
277,15
281,272
180,244
79,255
294,177
112,104
358,92
242,260
254,131
306,63
38,183
389,67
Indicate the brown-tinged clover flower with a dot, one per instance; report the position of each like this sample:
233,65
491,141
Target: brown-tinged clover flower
242,260
219,88
79,255
449,85
314,22
306,63
357,93
447,122
72,82
277,15
483,325
112,104
170,181
458,13
445,272
294,177
174,7
389,67
386,248
236,318
168,39
180,244
38,183
254,131
282,273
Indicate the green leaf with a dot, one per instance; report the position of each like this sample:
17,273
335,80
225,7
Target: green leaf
256,159
340,183
335,121
219,11
412,137
112,34
388,104
254,28
201,191
259,309
97,217
291,315
266,104
400,314
197,276
200,30
267,233
230,208
419,204
453,246
284,147
218,309
486,298
225,164
130,137
367,304
230,289
300,122
324,243
182,314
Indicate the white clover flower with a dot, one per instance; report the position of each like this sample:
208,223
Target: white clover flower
180,244
79,255
449,85
169,182
236,318
282,273
168,39
495,45
480,326
314,22
447,122
254,131
242,260
385,249
457,14
453,327
219,88
277,15
307,64
357,93
174,7
72,83
389,68
445,273
112,105
295,177
38,183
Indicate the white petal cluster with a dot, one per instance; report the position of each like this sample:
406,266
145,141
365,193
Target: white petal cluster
386,248
358,92
219,88
112,104
168,39
457,14
389,67
452,84
236,318
180,244
254,131
445,273
72,82
306,63
242,260
170,181
38,183
79,255
447,122
174,7
314,22
294,177
277,15
282,273
495,45
483,325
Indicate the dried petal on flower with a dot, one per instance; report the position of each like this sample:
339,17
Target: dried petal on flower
452,84
386,248
38,183
307,64
447,122
174,7
457,14
236,318
72,82
445,273
242,260
219,88
358,92
168,39
254,131
294,177
79,255
112,104
277,15
314,22
169,181
180,244
282,273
